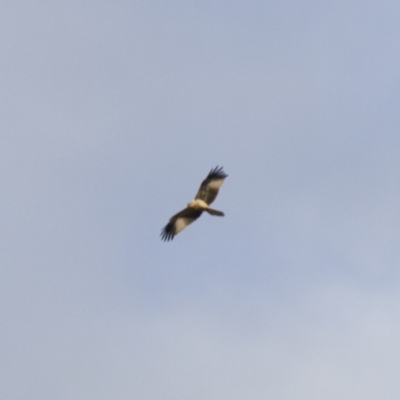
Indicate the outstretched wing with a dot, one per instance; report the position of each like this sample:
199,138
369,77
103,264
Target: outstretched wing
178,222
209,187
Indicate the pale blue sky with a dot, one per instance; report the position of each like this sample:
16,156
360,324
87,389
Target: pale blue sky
112,113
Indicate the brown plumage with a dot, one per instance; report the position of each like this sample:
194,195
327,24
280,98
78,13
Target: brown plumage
205,196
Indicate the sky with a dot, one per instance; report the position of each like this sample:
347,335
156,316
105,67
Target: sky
112,113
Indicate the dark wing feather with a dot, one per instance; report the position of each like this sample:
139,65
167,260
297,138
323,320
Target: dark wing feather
178,222
209,187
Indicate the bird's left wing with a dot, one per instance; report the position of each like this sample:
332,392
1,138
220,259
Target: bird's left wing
209,187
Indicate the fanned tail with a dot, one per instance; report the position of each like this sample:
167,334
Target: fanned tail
214,212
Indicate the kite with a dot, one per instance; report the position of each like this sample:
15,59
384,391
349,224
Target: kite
205,196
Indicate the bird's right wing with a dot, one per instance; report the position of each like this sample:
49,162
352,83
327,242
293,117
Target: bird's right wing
179,222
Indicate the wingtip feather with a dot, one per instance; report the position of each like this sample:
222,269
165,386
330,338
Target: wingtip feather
217,172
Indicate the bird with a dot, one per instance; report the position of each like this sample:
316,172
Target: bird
205,196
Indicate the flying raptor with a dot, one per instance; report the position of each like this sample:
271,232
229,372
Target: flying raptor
205,196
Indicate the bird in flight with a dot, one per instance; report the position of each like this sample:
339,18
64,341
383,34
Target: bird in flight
205,196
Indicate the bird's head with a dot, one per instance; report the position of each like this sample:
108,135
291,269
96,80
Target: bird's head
192,204
197,204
